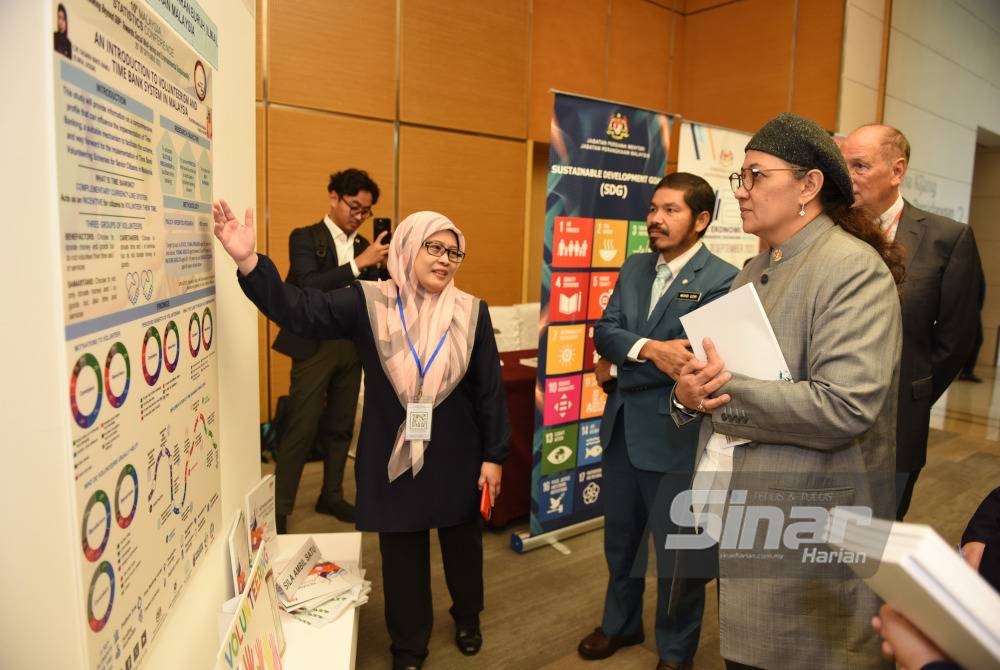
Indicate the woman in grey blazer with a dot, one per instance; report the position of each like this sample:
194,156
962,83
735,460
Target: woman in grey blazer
824,438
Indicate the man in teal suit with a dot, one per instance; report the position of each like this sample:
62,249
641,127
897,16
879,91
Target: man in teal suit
642,345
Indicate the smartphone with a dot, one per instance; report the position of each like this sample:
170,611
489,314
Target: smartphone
382,224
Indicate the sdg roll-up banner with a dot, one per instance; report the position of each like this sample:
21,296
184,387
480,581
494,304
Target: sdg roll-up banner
604,162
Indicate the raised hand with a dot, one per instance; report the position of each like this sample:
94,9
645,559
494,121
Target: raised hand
239,240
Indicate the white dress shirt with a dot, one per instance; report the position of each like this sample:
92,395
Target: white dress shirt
343,243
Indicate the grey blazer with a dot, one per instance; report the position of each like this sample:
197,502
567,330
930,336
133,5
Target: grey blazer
828,436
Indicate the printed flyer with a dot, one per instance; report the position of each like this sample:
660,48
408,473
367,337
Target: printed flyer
134,153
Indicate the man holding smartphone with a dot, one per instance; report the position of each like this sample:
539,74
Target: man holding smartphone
326,375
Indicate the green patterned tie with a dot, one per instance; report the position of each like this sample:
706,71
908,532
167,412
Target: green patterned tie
663,277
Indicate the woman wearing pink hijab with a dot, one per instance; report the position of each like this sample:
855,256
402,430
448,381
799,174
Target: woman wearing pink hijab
434,430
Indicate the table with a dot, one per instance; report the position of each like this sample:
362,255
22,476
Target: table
515,484
334,646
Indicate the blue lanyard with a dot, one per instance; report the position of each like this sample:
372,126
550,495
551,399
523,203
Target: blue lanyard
422,369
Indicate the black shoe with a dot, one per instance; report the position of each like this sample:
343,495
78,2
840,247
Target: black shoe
468,639
970,377
281,524
341,509
598,645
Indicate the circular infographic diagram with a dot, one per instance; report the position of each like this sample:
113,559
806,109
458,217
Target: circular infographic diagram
96,525
152,355
207,328
100,597
194,334
126,496
171,346
117,374
85,390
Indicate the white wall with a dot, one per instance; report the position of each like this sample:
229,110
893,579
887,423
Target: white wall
863,25
943,82
42,622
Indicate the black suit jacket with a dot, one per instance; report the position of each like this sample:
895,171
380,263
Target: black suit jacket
940,313
307,270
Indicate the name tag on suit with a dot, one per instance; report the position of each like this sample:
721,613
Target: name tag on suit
691,296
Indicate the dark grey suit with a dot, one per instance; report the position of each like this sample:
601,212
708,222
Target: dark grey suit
940,316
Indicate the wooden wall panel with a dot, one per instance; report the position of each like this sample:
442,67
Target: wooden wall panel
639,49
567,53
536,228
259,52
692,6
304,147
678,36
260,220
338,55
737,63
479,183
818,55
465,65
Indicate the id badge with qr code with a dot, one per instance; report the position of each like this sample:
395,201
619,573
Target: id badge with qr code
418,421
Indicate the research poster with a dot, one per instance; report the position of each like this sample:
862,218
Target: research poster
714,153
133,141
605,159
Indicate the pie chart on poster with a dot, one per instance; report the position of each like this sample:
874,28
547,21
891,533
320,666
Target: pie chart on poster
100,597
126,496
117,374
207,328
96,525
152,355
194,334
85,390
171,346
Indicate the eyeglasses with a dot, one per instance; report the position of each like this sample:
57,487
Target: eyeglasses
436,249
748,176
358,210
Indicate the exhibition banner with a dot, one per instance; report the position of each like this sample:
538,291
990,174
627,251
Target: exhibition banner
714,153
605,159
133,141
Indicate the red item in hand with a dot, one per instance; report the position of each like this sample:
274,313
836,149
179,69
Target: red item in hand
486,503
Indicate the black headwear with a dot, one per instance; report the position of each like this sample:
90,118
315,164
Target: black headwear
804,143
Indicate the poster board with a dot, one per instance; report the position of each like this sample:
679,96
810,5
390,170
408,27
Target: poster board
134,178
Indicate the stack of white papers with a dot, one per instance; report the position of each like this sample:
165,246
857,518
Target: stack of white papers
318,591
924,578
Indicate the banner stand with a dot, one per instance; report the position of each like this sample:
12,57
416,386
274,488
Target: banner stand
524,541
605,159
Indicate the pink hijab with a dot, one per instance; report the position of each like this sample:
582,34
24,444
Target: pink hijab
451,313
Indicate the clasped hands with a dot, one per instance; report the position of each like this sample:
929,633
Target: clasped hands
699,381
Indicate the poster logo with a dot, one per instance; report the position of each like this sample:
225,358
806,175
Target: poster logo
618,127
